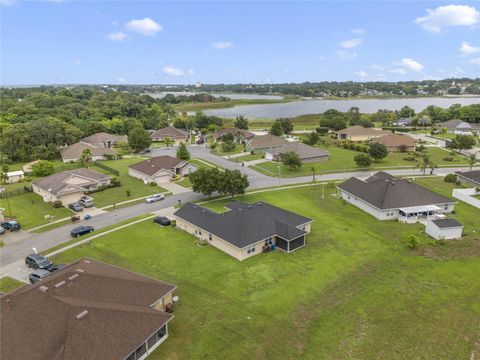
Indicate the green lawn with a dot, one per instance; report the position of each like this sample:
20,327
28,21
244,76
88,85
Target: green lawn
355,291
342,160
218,150
185,182
57,163
7,284
249,157
136,187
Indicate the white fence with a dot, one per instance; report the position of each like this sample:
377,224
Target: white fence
466,195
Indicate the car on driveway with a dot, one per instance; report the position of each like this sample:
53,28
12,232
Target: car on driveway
154,198
56,267
75,207
2,230
11,225
162,220
37,261
81,230
86,201
38,275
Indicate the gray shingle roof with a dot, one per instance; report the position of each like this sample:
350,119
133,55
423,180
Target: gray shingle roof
304,151
267,141
155,164
245,224
470,175
101,137
169,131
385,191
242,134
75,151
446,223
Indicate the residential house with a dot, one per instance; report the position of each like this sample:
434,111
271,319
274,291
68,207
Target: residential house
306,153
402,122
105,140
444,229
69,186
360,133
177,135
264,142
469,177
396,142
87,310
459,127
160,169
14,176
245,230
389,198
239,136
74,152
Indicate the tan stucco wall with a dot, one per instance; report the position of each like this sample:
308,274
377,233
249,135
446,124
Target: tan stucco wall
159,178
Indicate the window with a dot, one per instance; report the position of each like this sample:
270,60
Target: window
199,232
131,357
141,350
251,249
210,237
161,333
446,207
152,341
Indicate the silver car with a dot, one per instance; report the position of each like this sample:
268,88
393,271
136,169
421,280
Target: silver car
154,198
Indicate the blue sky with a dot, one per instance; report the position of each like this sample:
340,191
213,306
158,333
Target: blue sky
45,42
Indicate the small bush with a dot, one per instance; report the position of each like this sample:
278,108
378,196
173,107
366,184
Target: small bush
152,183
448,158
57,204
412,242
128,193
409,158
450,178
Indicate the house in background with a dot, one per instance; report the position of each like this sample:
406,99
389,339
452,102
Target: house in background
239,136
306,153
245,230
360,133
69,186
177,135
160,169
74,152
402,122
396,142
459,127
389,198
14,176
264,142
444,229
469,177
87,310
105,140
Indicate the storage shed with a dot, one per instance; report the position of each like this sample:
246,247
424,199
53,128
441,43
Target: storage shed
444,229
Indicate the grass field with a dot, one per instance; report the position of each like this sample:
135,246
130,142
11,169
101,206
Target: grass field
219,151
342,160
354,292
249,157
8,284
230,103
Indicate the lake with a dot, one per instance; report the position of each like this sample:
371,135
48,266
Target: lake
228,95
304,107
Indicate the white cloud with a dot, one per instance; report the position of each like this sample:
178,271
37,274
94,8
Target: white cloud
220,45
361,73
467,49
346,55
449,16
117,36
358,31
398,71
351,43
173,71
377,67
475,61
411,64
191,71
146,26
77,61
121,80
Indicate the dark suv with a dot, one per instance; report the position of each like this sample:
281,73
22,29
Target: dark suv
75,207
81,230
11,225
38,261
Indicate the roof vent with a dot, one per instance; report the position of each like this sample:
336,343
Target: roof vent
82,314
73,277
249,206
80,270
60,284
87,261
43,288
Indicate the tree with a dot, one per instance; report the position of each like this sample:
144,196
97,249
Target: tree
463,142
406,112
424,163
363,160
472,160
377,151
43,168
139,139
205,181
168,141
354,115
241,122
312,138
4,173
432,167
228,146
334,119
286,124
233,182
86,158
182,152
291,160
276,129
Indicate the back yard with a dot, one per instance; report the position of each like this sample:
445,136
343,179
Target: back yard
354,292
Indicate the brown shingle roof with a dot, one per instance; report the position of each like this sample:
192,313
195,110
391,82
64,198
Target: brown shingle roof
304,151
100,137
395,140
169,131
385,191
155,164
75,151
360,130
56,182
119,318
242,134
266,141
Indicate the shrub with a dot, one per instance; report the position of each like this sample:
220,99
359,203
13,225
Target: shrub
228,146
57,204
322,130
450,178
152,183
128,193
363,160
114,182
110,156
409,158
43,168
448,158
412,242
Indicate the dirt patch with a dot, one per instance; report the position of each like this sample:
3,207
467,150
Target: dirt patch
451,249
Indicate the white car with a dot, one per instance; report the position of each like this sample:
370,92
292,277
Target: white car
154,198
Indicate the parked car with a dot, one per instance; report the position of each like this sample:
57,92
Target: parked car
11,225
81,230
162,220
75,207
200,141
38,275
2,230
154,198
86,201
37,261
56,267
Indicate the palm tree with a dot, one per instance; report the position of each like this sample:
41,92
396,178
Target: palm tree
432,167
423,165
472,160
313,174
86,157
